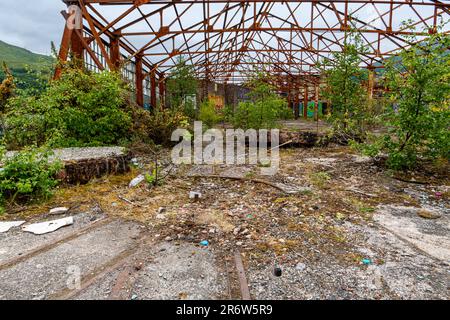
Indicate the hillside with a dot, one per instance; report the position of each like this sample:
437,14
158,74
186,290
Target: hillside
18,59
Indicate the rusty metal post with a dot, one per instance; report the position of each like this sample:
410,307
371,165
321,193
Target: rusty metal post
77,46
115,52
162,91
153,89
139,81
297,106
371,82
305,103
316,103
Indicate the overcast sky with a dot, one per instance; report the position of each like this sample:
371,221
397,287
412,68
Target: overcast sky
31,24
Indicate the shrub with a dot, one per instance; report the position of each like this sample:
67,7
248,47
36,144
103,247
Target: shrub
27,175
162,123
79,109
7,87
208,114
264,108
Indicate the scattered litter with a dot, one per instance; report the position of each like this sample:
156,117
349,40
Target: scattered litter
161,210
366,262
6,226
48,226
136,181
277,272
58,211
195,195
300,266
134,297
125,200
204,243
427,215
438,195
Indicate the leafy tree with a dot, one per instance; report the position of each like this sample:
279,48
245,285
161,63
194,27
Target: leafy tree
418,114
264,108
344,89
181,83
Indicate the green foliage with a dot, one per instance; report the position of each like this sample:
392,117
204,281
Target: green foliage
181,83
344,88
264,108
7,87
162,123
27,175
27,67
208,114
79,109
419,111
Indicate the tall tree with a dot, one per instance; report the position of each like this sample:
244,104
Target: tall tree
181,83
344,88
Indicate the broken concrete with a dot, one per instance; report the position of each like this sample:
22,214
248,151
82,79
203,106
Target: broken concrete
48,226
8,225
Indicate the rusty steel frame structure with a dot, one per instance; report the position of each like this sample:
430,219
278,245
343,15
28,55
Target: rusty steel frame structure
225,40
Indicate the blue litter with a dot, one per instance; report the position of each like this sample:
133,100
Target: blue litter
367,261
204,243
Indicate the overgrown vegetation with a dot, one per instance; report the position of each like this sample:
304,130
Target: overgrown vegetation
29,69
162,123
26,176
181,85
264,108
344,89
208,114
80,109
7,87
418,112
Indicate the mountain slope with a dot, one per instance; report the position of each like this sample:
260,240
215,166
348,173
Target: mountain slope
17,57
19,61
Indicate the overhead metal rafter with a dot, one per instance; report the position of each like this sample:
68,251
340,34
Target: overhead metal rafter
225,40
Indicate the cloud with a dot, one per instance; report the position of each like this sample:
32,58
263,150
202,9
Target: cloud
31,24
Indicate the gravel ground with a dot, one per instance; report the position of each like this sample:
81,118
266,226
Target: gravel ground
350,231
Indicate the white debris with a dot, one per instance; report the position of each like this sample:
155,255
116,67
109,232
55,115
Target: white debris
300,266
136,181
48,226
195,195
6,226
57,211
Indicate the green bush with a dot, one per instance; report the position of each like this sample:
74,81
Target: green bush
80,109
208,114
27,175
162,123
263,110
